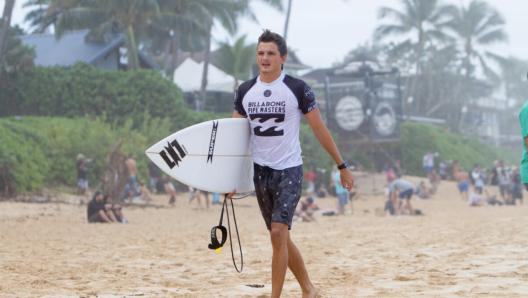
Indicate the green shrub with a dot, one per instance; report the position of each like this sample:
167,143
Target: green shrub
42,151
117,96
417,139
21,151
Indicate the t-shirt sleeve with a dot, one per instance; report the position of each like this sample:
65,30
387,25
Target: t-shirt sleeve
524,122
307,102
237,106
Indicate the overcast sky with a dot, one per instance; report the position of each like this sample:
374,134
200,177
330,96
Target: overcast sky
323,32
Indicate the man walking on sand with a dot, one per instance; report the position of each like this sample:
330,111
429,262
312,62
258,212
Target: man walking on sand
274,104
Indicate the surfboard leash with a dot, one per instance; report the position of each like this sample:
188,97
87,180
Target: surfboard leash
217,245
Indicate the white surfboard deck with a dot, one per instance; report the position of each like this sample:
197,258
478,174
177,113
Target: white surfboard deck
214,156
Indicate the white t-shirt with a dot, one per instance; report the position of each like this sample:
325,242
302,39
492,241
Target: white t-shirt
475,199
478,177
428,160
401,185
274,112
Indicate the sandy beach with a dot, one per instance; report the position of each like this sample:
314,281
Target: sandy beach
48,250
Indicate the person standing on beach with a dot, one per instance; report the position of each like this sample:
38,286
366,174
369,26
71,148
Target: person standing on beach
133,172
274,104
428,163
310,176
82,174
494,181
523,118
342,193
463,183
478,179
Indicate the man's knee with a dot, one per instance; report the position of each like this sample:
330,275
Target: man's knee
278,233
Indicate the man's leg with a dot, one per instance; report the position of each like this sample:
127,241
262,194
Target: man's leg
279,264
296,265
409,206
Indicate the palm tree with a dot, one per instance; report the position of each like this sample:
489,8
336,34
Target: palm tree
109,17
477,25
179,19
512,76
227,12
236,60
421,17
5,27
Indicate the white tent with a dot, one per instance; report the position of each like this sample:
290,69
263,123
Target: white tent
188,76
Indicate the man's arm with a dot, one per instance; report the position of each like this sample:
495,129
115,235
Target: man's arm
323,136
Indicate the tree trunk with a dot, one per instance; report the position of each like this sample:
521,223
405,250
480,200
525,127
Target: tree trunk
207,54
174,55
115,174
5,26
133,61
287,19
415,79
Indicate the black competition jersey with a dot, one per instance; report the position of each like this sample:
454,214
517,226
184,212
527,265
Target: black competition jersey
274,112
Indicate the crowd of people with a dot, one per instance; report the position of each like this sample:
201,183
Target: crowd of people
501,186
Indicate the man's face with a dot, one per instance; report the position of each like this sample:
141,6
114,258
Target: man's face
268,58
99,197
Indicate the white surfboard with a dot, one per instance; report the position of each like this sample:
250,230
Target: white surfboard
213,156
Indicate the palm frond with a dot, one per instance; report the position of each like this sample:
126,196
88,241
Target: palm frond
387,30
492,36
79,18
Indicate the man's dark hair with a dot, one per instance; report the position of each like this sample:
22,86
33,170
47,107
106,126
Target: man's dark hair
268,36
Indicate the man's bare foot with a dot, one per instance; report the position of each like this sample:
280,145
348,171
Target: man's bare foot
314,293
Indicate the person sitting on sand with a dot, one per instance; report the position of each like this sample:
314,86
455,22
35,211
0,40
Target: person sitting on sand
306,209
475,200
116,209
98,211
405,190
145,193
463,183
422,191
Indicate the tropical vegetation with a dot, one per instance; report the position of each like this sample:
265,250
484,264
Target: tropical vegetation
439,49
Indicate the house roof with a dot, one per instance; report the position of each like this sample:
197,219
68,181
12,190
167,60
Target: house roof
72,47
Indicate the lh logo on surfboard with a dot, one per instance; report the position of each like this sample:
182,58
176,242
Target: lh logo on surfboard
175,158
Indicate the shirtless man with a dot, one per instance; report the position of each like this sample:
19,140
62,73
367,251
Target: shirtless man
132,171
463,180
274,103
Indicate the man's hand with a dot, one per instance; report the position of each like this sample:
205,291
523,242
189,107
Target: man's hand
231,194
347,179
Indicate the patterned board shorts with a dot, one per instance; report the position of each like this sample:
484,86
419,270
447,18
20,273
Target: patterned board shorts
278,192
82,183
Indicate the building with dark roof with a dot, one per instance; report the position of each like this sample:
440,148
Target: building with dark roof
74,47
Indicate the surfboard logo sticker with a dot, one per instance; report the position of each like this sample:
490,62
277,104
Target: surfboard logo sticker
212,142
176,159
